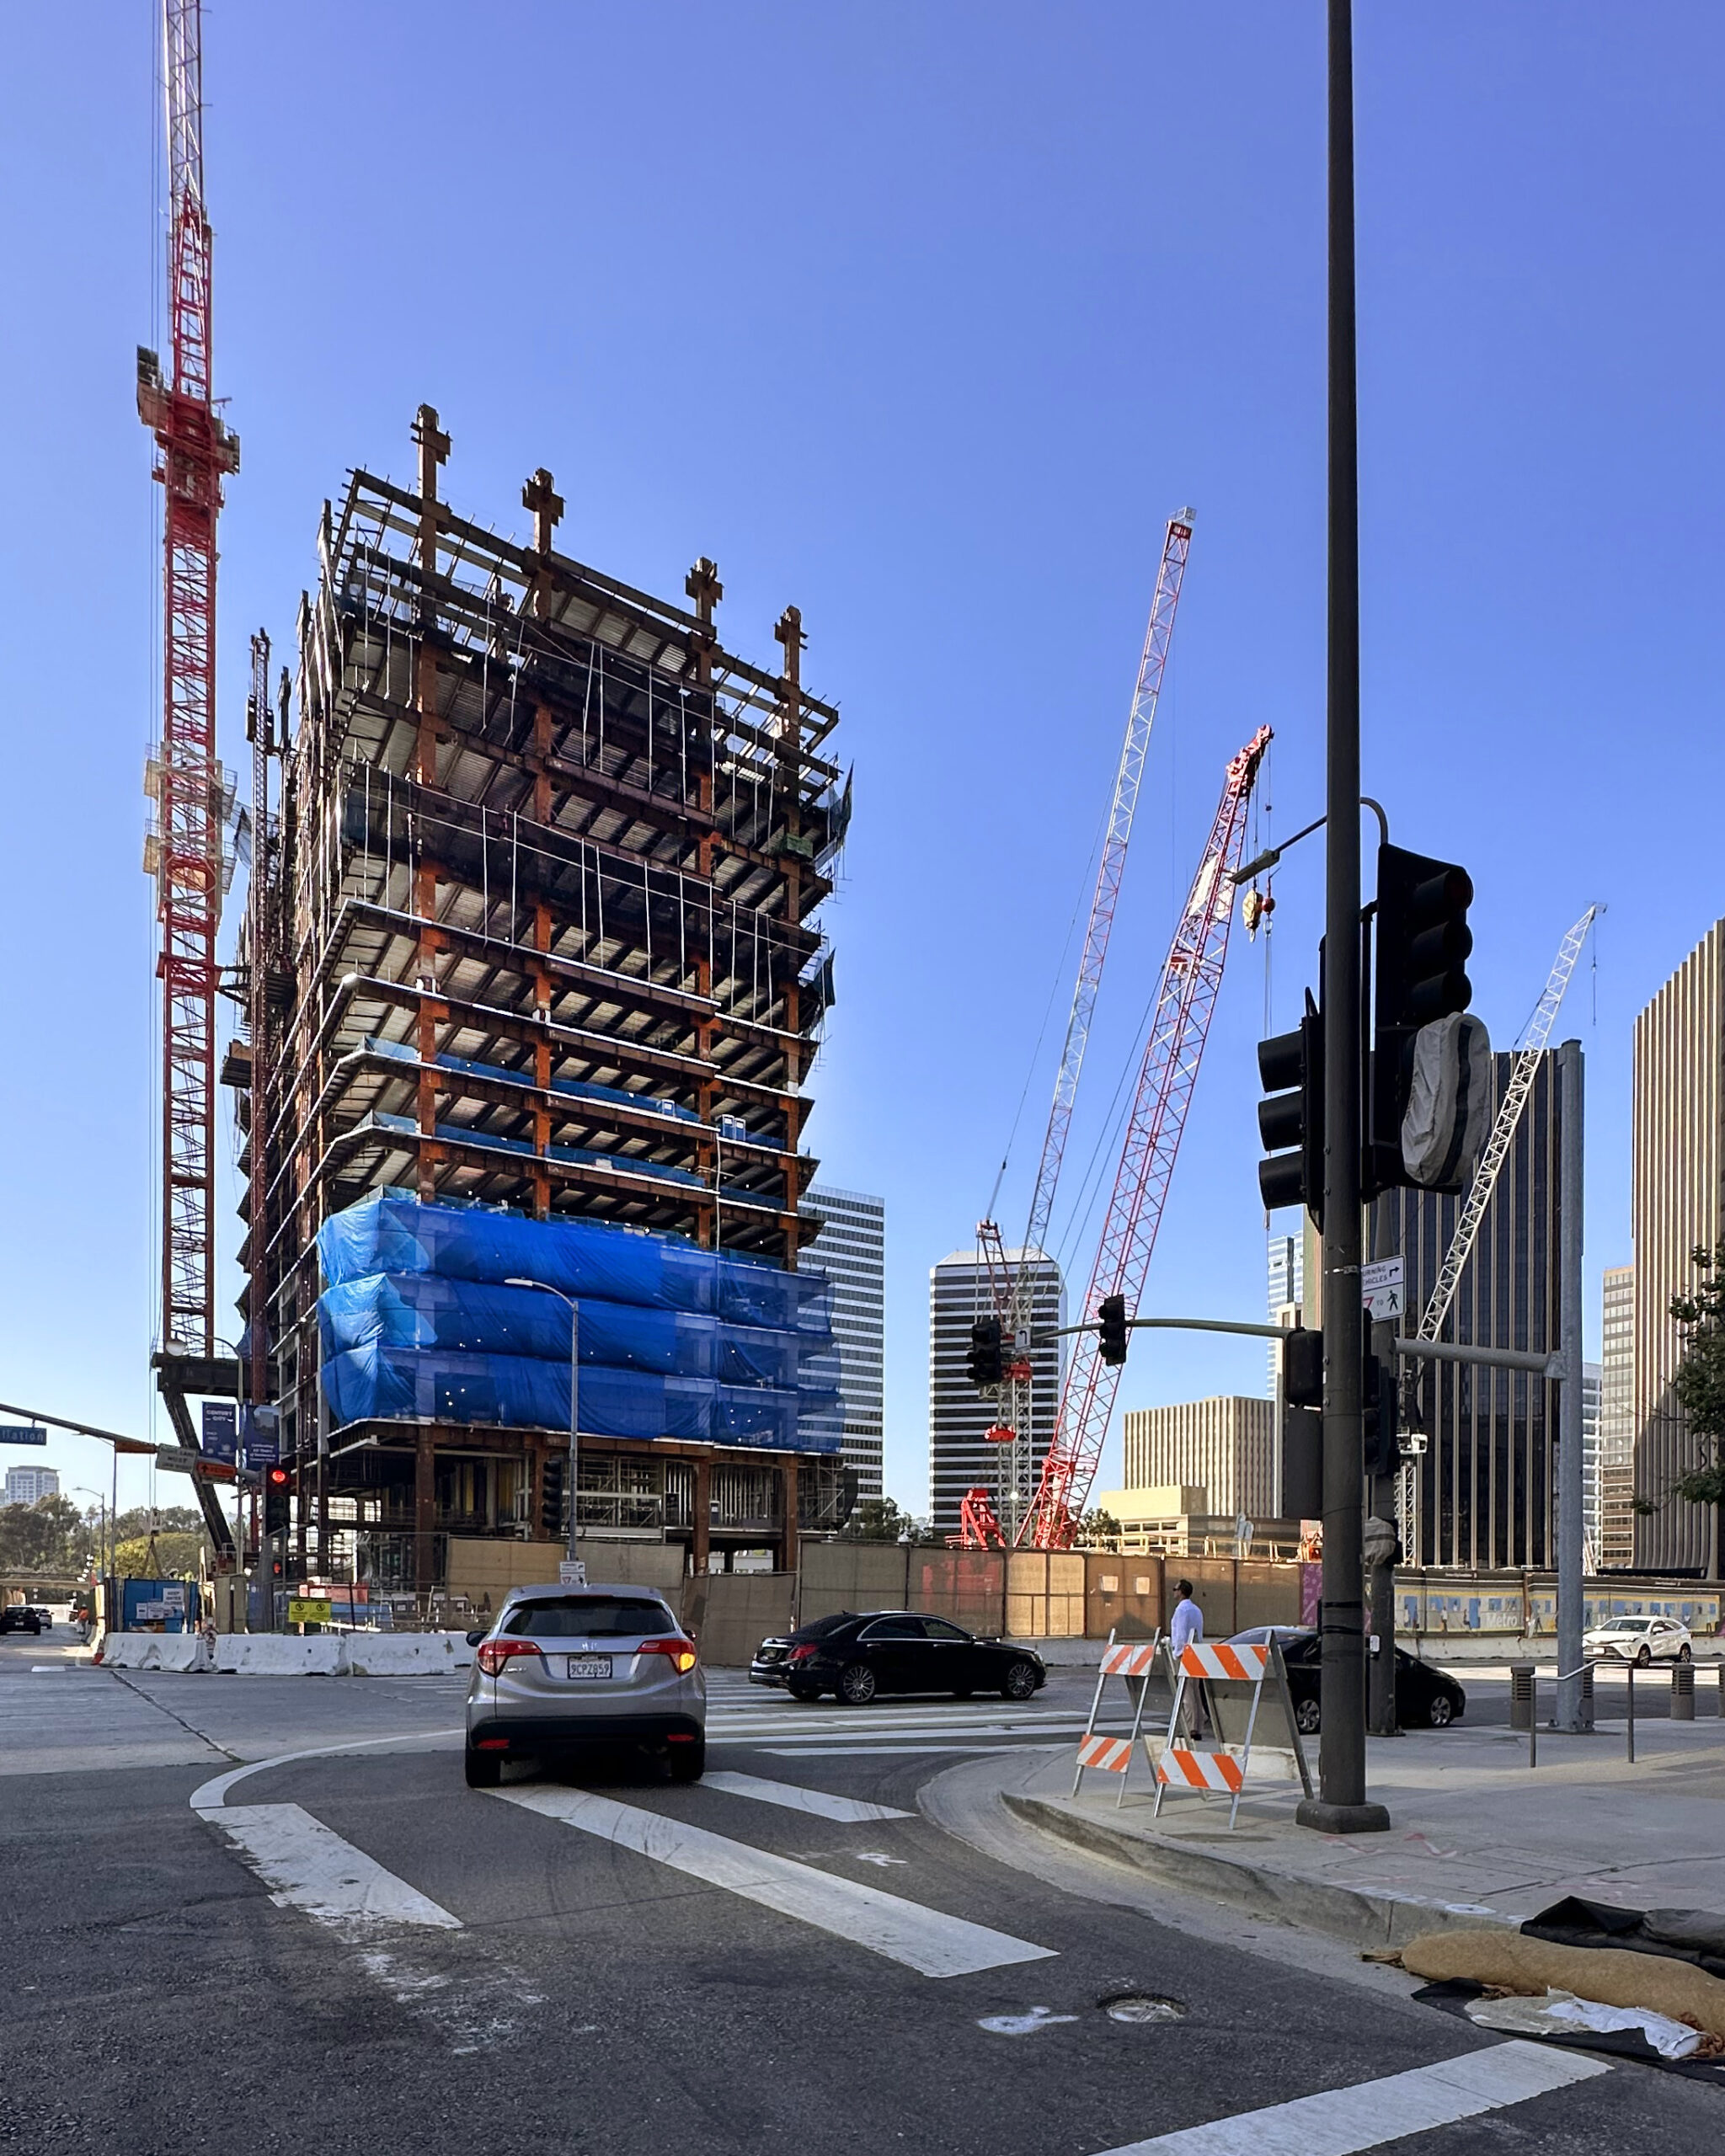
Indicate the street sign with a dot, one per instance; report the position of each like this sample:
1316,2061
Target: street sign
21,1433
1381,1289
312,1611
175,1459
220,1427
571,1572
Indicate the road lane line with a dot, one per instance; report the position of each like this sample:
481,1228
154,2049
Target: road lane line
921,1939
884,1751
796,1799
1347,2121
309,1866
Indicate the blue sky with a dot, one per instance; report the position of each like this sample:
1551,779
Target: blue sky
923,319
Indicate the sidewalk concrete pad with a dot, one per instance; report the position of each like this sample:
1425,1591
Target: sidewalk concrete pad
1477,1838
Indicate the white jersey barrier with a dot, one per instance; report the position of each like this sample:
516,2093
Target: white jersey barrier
1134,1661
1237,1680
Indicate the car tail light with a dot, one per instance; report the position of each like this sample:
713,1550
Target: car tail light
805,1653
493,1653
680,1652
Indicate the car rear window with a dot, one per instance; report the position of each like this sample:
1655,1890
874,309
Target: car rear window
588,1617
823,1628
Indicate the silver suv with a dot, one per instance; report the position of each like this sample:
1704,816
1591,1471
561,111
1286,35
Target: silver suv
563,1670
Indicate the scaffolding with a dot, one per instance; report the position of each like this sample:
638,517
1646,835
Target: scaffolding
536,929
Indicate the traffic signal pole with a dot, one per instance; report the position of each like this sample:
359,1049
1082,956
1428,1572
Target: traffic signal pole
1341,1805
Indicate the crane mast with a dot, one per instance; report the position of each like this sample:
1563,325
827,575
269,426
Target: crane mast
195,451
1014,1288
1191,977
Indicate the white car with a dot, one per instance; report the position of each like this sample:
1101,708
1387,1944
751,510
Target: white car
1639,1639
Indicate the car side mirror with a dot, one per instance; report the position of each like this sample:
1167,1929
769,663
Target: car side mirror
474,1638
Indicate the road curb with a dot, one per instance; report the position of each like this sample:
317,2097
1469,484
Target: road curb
1359,1916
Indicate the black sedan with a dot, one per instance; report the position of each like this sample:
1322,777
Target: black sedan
856,1658
19,1617
1425,1698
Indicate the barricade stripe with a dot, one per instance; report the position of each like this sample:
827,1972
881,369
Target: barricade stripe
1128,1661
1241,1663
1180,1765
1111,1753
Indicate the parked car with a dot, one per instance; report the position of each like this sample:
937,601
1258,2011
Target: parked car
19,1617
1640,1640
855,1657
563,1671
1425,1698
45,1616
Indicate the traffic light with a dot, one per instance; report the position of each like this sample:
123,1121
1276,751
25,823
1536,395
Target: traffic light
1291,1120
984,1365
551,1519
1303,1368
1431,1071
276,1480
1111,1329
1378,1418
1302,1424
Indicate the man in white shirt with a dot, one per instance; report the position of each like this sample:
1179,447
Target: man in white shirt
1184,1626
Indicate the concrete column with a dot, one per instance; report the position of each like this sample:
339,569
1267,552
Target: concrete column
787,1467
701,1545
425,1514
1570,1508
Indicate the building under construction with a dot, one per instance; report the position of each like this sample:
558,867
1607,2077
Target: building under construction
531,940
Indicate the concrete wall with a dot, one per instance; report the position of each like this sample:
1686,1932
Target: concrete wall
852,1576
478,1567
729,1614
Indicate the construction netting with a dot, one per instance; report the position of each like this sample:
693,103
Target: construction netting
418,1319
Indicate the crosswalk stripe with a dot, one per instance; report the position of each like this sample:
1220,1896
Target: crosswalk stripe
885,1751
309,1866
794,1799
1348,2122
924,1939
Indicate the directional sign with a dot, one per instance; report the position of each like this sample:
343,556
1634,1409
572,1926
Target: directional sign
571,1573
1381,1289
21,1433
175,1459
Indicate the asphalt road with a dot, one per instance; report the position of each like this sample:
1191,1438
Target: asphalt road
352,1950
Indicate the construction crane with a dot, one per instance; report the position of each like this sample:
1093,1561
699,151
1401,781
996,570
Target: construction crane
1185,999
185,851
1496,1151
1013,1289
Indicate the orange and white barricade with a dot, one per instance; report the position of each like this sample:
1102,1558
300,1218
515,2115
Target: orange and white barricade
1134,1661
1234,1677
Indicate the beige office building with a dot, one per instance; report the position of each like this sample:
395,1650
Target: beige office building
1225,1447
1677,1201
1616,1548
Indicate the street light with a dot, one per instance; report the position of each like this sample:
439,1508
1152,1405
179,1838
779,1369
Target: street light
83,1490
575,1308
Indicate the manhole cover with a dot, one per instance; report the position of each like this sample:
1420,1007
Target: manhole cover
1141,2006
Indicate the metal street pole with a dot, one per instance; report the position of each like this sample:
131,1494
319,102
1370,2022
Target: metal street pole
575,1308
1341,1805
1570,1527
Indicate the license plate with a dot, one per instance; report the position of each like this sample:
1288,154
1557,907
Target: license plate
590,1665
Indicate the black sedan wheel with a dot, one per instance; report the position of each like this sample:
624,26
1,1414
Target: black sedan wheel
857,1685
1306,1716
1019,1682
1442,1711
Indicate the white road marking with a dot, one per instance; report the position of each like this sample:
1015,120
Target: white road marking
309,1866
794,1799
924,1939
1023,2025
885,1751
1346,2121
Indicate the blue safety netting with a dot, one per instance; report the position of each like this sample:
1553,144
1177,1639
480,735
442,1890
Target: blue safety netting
417,1321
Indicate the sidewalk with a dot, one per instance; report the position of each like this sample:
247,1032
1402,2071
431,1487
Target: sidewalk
1476,1838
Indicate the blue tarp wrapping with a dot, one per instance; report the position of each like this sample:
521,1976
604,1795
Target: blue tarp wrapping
416,1321
387,1234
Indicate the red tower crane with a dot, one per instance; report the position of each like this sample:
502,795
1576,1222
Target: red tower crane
1014,1288
195,453
1191,976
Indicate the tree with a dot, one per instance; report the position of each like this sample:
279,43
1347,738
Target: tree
1098,1530
176,1556
172,1520
44,1537
878,1519
1699,1382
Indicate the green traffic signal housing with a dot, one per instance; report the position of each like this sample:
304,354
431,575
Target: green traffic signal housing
1111,1330
1290,1119
985,1365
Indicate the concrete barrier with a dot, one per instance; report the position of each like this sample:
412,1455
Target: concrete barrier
278,1654
181,1650
406,1654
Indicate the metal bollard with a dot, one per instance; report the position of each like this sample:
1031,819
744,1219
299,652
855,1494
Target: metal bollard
1521,1701
1722,1690
1683,1691
1630,1727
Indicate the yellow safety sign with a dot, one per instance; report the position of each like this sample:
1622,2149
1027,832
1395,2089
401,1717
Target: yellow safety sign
309,1613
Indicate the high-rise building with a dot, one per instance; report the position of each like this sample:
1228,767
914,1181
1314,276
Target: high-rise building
1592,1385
1616,1545
1287,1286
1484,1488
28,1486
850,1250
1676,1204
960,1458
1225,1446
